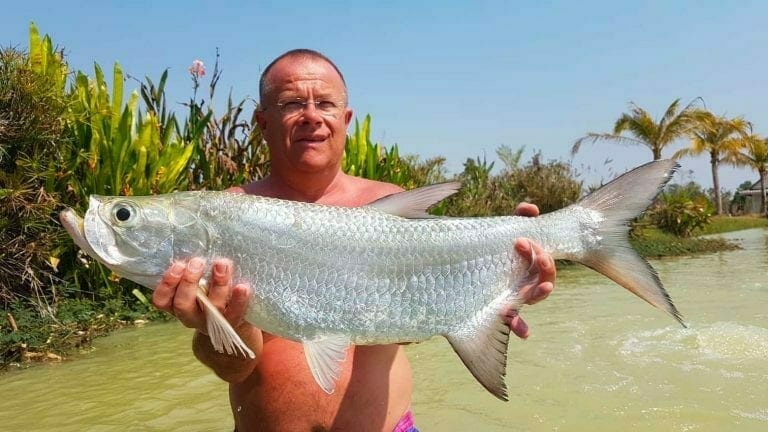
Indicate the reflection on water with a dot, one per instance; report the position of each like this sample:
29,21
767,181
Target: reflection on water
598,359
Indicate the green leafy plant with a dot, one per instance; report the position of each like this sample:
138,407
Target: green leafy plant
364,158
681,210
117,152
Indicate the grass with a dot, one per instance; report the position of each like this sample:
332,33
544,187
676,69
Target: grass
721,224
654,243
651,242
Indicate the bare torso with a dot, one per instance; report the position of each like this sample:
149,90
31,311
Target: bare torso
372,394
374,390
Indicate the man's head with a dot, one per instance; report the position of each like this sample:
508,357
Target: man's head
303,112
299,53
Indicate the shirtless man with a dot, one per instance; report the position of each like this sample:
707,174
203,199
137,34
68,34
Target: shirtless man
304,117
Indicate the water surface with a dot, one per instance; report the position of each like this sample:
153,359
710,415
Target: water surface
598,359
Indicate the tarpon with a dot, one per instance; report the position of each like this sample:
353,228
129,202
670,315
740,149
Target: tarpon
330,277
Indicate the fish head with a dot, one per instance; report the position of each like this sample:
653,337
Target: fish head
133,236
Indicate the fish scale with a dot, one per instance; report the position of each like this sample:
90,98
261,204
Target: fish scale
330,277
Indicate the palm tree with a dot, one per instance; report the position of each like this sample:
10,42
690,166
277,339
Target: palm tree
646,132
754,154
719,136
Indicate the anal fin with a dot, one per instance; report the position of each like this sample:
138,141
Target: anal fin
325,356
482,346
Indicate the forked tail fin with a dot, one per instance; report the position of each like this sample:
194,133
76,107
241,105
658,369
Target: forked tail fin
617,203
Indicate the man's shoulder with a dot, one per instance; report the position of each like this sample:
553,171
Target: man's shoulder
372,188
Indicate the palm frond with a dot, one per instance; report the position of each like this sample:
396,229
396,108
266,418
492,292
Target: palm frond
670,114
686,152
595,137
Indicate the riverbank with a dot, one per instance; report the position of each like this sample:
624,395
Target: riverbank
651,242
722,224
28,337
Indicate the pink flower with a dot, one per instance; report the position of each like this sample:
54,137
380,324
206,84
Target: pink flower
197,69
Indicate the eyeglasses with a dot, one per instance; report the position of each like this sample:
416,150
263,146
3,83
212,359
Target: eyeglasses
326,108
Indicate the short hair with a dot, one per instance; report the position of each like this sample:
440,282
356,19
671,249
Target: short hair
298,53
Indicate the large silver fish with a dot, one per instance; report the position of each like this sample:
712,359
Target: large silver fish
384,273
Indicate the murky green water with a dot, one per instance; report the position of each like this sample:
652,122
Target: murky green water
599,359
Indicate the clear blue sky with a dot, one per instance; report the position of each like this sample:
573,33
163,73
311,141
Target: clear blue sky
445,77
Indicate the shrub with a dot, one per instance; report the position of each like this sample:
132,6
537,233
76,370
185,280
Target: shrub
682,209
32,103
551,186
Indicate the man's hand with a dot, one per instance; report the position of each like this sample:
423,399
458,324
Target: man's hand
177,291
177,294
541,264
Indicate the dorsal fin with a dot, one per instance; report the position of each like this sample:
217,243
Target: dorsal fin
415,202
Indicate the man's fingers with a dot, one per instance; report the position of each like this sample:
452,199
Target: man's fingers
541,292
162,298
238,304
516,324
185,306
531,252
526,209
190,279
219,286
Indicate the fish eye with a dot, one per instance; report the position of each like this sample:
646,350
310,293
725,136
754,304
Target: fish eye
122,214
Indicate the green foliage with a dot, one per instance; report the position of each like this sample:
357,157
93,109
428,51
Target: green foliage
753,153
739,201
117,152
31,101
720,137
653,243
682,209
481,193
76,324
721,224
32,104
58,146
65,136
230,150
551,186
364,158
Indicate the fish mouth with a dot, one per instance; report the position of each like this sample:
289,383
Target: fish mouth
75,226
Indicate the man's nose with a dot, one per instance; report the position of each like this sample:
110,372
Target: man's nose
310,113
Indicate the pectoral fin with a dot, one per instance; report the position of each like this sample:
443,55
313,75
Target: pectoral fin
224,338
325,356
482,346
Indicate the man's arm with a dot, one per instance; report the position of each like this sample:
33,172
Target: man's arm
176,294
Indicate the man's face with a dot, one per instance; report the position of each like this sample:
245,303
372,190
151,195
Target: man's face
309,140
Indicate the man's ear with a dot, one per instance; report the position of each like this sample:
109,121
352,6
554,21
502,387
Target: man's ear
261,119
347,116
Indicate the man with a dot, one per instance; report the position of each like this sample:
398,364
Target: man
304,116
